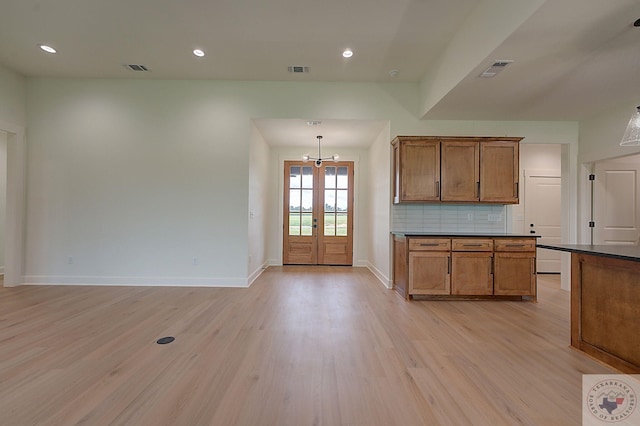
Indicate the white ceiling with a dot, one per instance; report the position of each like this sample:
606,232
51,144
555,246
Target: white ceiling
573,58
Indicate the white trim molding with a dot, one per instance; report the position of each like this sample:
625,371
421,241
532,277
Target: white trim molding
234,282
16,204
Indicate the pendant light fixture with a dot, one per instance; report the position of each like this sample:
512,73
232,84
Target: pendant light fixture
319,159
632,134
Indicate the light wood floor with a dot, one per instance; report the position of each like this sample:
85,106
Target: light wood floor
302,346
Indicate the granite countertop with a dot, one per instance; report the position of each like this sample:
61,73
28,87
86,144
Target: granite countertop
618,252
464,234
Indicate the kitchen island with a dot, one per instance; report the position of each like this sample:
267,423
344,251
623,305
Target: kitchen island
605,302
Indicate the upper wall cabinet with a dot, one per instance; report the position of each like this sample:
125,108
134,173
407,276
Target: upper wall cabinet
499,171
416,170
460,168
455,169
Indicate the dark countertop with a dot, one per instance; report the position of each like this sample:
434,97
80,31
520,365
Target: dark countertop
618,252
463,234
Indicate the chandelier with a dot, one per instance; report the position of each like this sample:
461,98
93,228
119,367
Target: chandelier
319,159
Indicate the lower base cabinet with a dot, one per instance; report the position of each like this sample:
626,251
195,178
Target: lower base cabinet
429,272
473,267
472,273
515,274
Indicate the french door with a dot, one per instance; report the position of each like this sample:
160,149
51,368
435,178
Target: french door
318,213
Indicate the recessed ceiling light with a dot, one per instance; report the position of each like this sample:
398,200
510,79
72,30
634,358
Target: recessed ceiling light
47,49
347,53
198,52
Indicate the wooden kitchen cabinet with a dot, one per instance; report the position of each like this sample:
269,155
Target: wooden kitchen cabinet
460,170
499,171
429,266
416,169
429,272
472,266
515,267
456,169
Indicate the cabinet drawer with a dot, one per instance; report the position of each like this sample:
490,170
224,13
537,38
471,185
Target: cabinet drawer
515,244
471,244
429,244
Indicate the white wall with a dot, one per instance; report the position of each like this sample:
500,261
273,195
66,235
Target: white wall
129,181
379,195
12,98
540,156
259,215
136,182
3,195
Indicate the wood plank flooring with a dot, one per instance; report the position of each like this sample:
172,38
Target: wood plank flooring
302,346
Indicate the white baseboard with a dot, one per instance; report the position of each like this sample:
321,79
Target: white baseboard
136,281
381,277
255,274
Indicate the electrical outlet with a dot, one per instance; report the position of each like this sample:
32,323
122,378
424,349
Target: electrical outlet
70,260
469,217
494,217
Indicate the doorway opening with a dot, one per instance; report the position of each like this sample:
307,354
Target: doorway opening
615,201
542,164
318,213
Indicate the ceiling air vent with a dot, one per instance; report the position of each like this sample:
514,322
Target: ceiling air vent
298,69
495,68
136,67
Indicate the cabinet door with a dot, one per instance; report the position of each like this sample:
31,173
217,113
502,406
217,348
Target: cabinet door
429,273
471,273
499,172
419,171
460,171
514,274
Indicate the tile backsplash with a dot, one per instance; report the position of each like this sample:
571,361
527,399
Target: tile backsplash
448,218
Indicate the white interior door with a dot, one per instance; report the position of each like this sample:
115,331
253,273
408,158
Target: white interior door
616,204
542,212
